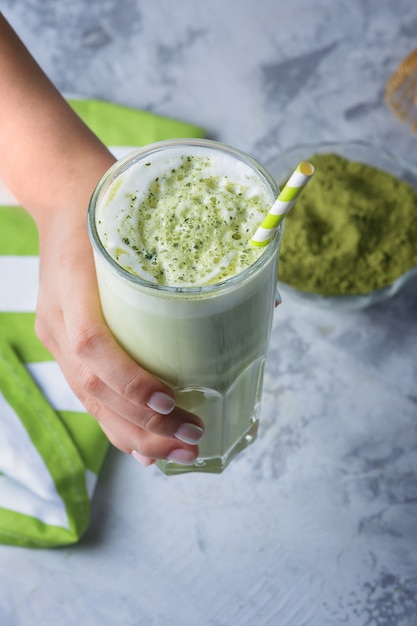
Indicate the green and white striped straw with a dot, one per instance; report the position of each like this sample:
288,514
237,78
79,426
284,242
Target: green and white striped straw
285,201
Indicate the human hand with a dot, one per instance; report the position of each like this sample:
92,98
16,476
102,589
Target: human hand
53,163
135,410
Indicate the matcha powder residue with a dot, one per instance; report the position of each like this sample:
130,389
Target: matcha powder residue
354,230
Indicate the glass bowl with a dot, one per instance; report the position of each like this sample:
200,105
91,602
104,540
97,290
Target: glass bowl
282,167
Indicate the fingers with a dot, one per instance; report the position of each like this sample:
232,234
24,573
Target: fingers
178,424
134,409
113,369
90,339
158,414
127,423
132,440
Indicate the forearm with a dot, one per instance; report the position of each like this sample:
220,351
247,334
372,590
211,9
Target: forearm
51,161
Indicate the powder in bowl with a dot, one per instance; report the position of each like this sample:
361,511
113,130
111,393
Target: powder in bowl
353,231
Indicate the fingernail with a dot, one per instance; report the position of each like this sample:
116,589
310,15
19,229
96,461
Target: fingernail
189,433
184,457
143,460
161,403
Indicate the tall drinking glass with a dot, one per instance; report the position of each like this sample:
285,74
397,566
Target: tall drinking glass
207,342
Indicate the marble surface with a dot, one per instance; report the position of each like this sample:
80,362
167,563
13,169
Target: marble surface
316,523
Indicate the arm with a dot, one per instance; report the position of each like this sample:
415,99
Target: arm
53,164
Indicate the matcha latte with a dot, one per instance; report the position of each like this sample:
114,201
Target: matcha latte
181,288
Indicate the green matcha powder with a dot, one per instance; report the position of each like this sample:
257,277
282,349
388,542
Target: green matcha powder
353,230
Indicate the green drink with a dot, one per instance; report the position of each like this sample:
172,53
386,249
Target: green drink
181,288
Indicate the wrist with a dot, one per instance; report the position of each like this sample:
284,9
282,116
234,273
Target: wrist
61,211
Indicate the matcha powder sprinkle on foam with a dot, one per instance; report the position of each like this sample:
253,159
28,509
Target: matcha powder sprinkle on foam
188,225
354,230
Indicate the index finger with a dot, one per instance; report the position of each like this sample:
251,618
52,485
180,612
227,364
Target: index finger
92,341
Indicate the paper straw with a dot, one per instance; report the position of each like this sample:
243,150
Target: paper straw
285,201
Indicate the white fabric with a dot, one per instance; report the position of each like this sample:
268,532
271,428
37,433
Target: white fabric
30,489
54,386
18,283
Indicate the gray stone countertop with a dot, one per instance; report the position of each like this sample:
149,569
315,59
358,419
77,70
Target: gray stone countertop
316,523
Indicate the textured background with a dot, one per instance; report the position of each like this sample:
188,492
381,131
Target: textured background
259,75
317,522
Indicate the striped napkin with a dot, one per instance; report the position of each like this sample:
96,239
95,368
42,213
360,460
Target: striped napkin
51,451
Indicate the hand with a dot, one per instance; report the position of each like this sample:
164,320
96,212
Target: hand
53,163
136,411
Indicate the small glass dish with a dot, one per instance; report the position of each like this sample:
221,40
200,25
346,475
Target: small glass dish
281,168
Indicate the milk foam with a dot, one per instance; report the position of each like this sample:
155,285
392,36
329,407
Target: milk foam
184,220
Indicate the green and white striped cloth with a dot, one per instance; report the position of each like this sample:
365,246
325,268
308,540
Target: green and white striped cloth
51,451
